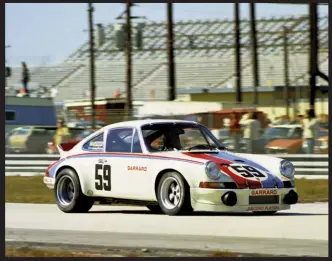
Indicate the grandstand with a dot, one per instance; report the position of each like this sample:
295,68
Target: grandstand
204,55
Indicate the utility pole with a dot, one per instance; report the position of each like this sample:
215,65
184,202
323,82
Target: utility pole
286,75
170,50
313,54
237,53
92,67
313,61
255,65
128,61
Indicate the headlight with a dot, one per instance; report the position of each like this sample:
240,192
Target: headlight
287,169
212,170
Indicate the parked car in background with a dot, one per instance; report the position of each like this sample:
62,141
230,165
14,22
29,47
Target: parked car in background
32,139
291,140
284,139
29,139
52,149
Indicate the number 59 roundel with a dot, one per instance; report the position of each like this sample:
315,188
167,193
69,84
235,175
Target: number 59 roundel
248,172
103,177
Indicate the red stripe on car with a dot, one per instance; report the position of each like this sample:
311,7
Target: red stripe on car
240,181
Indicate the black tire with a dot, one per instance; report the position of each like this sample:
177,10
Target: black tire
155,209
76,203
264,213
184,205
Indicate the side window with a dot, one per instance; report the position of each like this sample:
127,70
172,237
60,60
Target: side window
119,140
136,144
95,144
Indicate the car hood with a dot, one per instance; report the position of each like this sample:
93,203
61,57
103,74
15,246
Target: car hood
284,143
268,166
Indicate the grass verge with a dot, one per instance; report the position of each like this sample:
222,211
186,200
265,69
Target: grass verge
57,251
32,190
33,252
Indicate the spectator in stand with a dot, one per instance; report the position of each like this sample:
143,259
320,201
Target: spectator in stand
235,130
310,130
25,77
62,133
251,131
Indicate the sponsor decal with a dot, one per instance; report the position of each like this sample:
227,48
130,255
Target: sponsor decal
137,168
263,208
95,145
264,192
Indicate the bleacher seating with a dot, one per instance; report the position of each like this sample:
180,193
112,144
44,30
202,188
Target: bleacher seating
204,55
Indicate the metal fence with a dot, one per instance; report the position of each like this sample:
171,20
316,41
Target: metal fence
307,166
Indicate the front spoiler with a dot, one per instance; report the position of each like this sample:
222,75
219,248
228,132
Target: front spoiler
203,199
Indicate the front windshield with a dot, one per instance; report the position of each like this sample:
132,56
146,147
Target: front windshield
278,133
178,136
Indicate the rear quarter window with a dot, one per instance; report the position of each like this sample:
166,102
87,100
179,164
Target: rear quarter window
95,144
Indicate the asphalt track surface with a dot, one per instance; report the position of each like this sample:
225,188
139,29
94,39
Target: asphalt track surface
301,231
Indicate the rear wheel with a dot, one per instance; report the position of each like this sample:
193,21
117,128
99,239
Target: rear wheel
68,193
174,194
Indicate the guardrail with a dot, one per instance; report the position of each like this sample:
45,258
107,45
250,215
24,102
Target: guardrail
308,166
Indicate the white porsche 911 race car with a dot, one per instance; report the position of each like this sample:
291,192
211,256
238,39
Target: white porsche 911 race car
170,166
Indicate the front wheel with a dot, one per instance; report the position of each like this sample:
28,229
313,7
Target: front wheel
68,193
174,194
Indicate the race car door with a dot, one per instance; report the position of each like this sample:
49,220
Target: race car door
118,149
129,174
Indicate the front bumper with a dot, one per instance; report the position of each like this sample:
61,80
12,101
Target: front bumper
206,199
49,182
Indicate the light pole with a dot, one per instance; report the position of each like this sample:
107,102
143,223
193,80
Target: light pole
92,66
170,51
